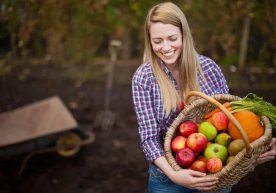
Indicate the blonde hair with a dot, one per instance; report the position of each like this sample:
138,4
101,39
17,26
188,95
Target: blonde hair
169,13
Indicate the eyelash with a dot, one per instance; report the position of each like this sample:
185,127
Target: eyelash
171,39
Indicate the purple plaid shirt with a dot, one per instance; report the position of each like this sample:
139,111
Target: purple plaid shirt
148,106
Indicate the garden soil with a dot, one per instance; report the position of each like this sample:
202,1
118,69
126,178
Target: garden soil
113,163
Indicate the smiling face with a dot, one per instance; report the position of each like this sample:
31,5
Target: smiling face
166,41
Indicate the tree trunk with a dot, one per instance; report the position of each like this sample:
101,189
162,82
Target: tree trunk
13,44
244,41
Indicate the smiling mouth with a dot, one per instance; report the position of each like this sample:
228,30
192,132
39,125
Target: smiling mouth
168,53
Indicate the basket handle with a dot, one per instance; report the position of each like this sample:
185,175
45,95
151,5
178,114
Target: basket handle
226,112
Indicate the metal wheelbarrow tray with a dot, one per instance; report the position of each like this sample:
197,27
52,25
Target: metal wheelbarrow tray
38,126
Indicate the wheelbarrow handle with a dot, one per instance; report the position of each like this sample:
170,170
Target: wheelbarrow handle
91,137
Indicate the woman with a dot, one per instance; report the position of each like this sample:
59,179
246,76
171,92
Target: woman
171,69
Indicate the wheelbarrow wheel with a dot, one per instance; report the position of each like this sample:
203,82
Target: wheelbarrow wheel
68,144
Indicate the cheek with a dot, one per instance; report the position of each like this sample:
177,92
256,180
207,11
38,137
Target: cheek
156,48
178,45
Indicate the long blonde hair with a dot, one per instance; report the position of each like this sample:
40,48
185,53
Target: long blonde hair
169,13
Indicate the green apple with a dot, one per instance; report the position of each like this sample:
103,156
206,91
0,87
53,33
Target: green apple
207,129
216,150
223,139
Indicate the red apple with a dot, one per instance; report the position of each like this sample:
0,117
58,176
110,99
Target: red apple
185,157
181,106
186,128
178,143
199,165
220,120
214,165
201,158
197,142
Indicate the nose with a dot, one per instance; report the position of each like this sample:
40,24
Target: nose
166,46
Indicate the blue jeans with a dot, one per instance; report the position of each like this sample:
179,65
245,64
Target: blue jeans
158,182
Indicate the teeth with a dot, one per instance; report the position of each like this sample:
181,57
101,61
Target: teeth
168,54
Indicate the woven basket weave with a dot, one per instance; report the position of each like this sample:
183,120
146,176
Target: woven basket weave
244,161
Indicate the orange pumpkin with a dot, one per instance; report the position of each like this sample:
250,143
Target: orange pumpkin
250,123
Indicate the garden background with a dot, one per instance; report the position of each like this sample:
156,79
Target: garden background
54,47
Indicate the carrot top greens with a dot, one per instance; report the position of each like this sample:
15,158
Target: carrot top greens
256,104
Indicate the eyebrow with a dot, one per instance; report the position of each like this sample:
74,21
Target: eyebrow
168,36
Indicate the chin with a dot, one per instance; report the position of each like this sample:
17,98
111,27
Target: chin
170,61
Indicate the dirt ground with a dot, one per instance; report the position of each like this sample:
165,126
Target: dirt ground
114,161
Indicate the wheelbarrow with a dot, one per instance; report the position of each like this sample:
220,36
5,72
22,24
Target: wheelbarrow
41,127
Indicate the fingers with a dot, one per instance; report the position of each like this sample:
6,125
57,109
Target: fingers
269,155
196,173
205,187
201,177
206,183
265,159
273,144
272,151
203,182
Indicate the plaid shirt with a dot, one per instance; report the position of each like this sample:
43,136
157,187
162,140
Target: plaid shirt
148,106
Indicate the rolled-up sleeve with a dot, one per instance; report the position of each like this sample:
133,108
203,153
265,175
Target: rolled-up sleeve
148,126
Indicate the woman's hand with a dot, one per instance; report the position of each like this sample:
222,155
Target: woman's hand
194,180
269,155
188,178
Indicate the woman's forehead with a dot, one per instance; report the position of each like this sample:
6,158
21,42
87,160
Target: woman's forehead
160,29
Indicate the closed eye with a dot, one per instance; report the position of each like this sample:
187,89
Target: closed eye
157,40
170,38
173,38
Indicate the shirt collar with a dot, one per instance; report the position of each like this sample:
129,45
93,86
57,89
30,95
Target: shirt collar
166,69
169,73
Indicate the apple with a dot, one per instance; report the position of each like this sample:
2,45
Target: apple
202,158
197,142
207,129
216,150
178,143
199,165
220,121
185,157
214,165
223,139
186,128
181,105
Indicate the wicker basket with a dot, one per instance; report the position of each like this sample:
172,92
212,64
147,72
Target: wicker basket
244,161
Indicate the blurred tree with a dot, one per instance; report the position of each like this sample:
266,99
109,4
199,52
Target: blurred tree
10,21
264,19
216,27
75,32
125,19
245,34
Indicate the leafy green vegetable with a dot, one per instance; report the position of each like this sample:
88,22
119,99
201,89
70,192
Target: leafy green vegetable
257,105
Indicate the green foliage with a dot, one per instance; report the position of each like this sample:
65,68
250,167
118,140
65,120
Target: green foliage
74,32
257,104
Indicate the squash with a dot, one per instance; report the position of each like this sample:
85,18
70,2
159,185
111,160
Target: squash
250,123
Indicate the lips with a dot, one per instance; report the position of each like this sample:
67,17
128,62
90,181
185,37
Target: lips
168,53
